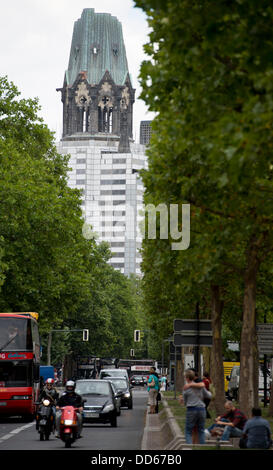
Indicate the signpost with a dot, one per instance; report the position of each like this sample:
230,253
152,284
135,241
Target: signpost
265,347
265,338
193,332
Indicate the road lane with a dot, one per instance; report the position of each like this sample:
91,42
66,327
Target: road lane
126,436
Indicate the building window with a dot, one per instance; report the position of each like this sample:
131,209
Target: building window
80,172
113,213
119,171
112,181
95,49
119,160
105,116
81,161
118,192
118,202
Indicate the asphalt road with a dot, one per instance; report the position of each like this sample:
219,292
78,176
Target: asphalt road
18,435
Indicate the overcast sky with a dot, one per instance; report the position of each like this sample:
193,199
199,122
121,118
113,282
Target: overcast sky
35,40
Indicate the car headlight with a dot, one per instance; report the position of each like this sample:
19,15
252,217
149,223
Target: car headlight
108,408
127,395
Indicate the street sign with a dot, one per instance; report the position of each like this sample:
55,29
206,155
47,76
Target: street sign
265,349
265,338
190,332
181,339
180,324
174,353
262,350
265,328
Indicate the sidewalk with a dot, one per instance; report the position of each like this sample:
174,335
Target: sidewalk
162,432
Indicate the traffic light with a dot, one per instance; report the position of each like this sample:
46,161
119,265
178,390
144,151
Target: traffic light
85,335
137,336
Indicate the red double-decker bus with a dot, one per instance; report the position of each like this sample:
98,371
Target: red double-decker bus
19,364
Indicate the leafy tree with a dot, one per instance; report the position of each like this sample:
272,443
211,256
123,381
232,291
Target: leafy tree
46,264
210,80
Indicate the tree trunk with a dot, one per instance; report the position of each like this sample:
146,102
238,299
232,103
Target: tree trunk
180,374
249,357
217,368
207,360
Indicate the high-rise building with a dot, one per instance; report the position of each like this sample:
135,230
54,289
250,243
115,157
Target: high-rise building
145,132
98,98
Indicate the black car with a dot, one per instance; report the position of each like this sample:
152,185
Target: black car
123,389
100,405
137,380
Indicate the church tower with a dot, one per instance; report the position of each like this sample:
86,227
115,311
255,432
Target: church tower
98,98
97,93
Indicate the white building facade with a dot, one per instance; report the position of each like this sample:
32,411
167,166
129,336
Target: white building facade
112,195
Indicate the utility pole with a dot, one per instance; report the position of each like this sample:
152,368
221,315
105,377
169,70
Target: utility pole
49,343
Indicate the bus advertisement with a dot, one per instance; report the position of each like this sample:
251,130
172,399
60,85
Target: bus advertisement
19,364
137,366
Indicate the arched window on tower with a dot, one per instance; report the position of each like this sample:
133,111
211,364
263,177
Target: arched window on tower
84,114
105,115
84,121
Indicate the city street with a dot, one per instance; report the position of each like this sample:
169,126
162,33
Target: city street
18,435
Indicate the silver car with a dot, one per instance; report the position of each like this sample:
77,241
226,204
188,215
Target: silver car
114,373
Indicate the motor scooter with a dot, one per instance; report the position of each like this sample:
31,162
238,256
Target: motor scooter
69,425
44,420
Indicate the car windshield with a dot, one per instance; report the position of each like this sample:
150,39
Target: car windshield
92,388
111,373
119,384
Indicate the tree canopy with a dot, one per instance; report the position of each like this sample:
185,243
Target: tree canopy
46,264
209,79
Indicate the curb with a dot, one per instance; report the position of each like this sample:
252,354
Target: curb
166,434
156,430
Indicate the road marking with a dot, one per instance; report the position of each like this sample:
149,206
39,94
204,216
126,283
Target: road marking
15,431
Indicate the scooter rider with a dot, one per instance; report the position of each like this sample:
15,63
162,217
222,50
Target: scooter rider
69,398
49,392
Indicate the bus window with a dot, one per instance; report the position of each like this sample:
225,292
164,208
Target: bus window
13,334
16,374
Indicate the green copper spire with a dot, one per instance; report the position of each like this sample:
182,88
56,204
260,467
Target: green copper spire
97,46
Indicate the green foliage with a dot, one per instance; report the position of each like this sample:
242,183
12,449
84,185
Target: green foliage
209,79
46,265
